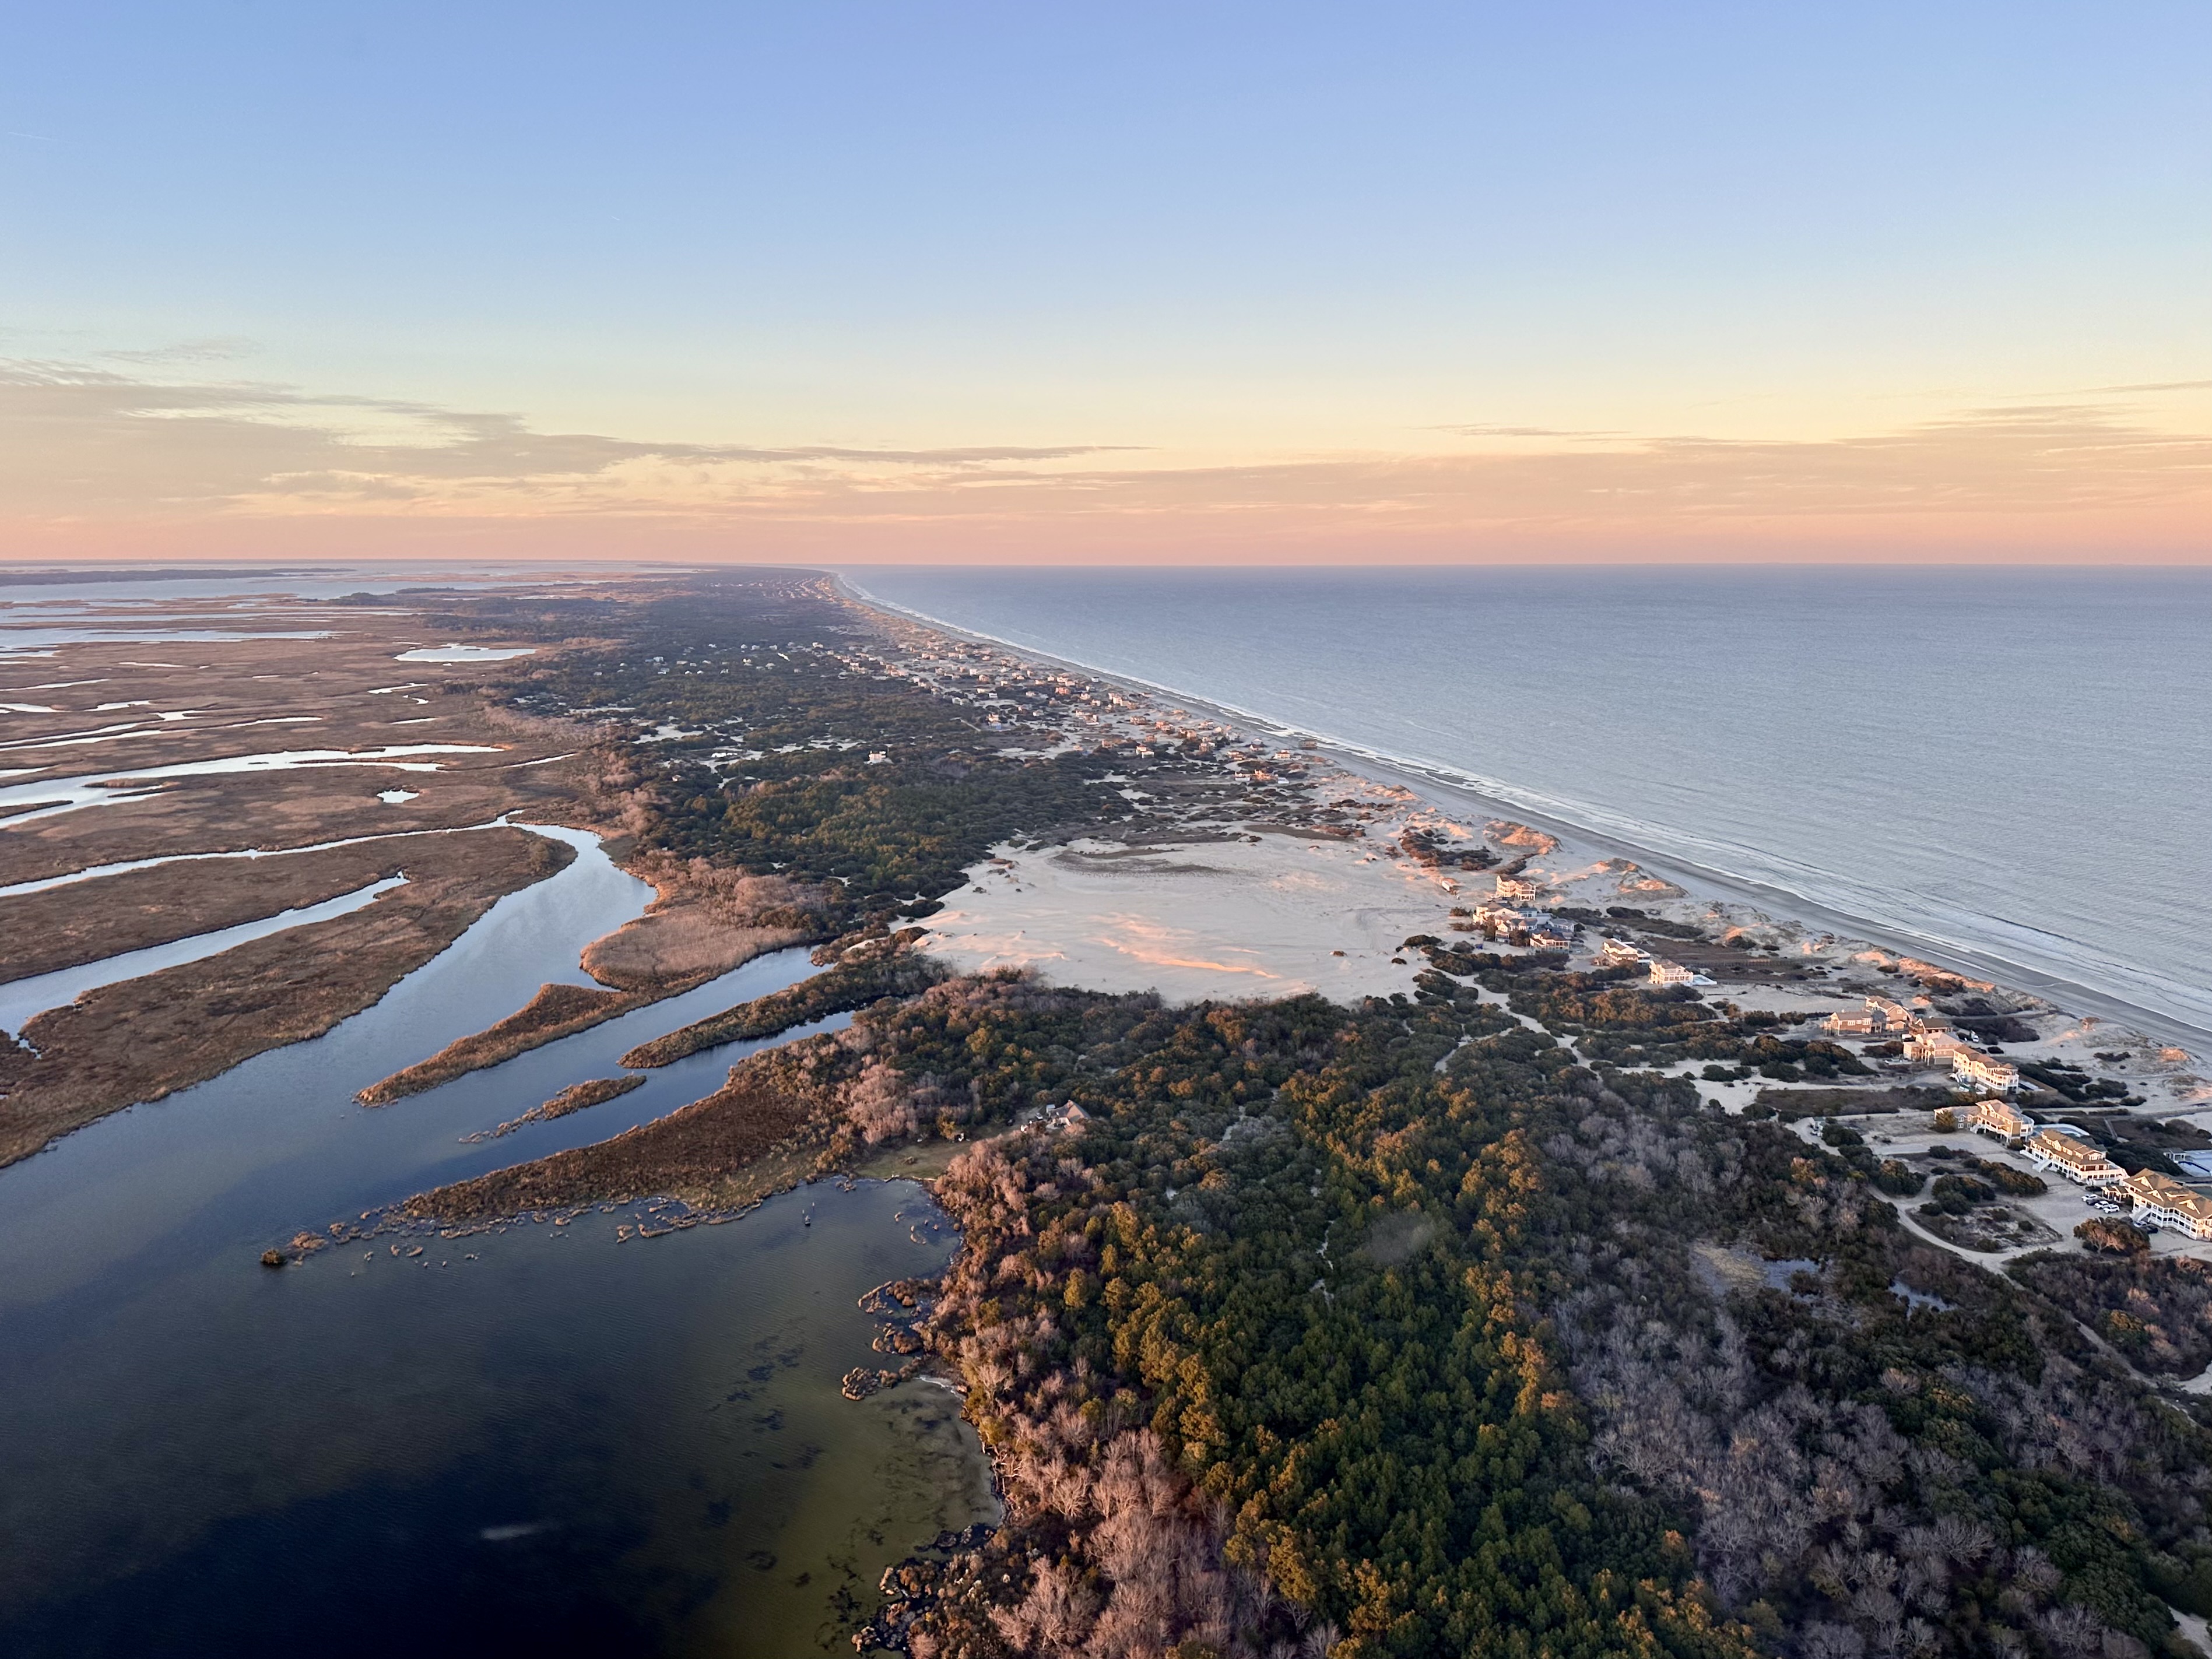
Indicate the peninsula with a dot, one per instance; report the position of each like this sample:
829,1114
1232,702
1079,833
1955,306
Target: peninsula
1389,1227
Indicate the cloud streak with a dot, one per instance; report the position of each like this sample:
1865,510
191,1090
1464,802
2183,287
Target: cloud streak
93,447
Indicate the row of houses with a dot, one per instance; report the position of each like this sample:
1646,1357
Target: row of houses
1927,1041
2158,1200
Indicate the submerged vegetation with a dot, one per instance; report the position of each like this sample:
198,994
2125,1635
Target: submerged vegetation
1443,1324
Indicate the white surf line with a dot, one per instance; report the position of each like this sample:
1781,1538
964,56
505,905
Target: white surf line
102,788
1977,945
26,998
93,873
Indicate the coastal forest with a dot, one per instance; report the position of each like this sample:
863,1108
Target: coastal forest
1445,1324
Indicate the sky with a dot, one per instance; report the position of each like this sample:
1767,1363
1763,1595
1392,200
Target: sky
874,280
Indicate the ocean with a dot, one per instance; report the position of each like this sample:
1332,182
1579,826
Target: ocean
2010,767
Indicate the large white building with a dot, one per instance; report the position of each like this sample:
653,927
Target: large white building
2165,1202
2076,1160
1985,1071
1935,1046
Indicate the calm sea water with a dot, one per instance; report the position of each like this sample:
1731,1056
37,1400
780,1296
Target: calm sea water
2016,763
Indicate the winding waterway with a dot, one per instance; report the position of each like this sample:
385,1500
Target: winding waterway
23,999
531,1438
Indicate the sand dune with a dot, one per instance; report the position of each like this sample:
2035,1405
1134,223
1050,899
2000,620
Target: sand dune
1260,915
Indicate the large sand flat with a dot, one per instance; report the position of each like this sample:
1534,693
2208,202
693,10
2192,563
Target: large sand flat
1256,916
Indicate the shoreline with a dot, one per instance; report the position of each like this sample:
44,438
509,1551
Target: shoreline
1446,789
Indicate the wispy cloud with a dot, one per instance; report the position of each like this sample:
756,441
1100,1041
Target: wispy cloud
216,348
75,440
87,446
2151,385
1520,432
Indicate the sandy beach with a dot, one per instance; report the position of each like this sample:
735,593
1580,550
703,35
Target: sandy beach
1255,909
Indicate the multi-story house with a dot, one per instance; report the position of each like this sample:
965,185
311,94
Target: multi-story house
1985,1071
2165,1202
2078,1161
1999,1118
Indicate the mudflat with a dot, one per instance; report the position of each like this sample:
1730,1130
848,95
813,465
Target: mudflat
122,752
145,1038
339,698
89,922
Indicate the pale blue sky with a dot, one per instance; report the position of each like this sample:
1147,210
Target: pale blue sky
1220,232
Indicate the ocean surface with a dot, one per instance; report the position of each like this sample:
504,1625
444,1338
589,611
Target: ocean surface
2013,766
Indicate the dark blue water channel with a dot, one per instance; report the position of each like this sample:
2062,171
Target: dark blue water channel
536,1437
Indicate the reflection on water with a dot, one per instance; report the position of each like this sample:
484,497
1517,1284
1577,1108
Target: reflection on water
465,653
536,1437
647,1439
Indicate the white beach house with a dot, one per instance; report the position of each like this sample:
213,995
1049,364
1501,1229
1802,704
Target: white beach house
2076,1160
1935,1046
1503,922
1550,933
2165,1202
1985,1071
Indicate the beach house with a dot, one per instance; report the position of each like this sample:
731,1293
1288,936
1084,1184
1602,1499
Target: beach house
1934,1046
1514,889
2000,1118
2076,1160
1983,1071
1664,973
1550,933
1502,922
1880,1018
1619,953
2165,1202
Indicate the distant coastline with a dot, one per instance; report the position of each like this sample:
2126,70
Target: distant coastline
1447,788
